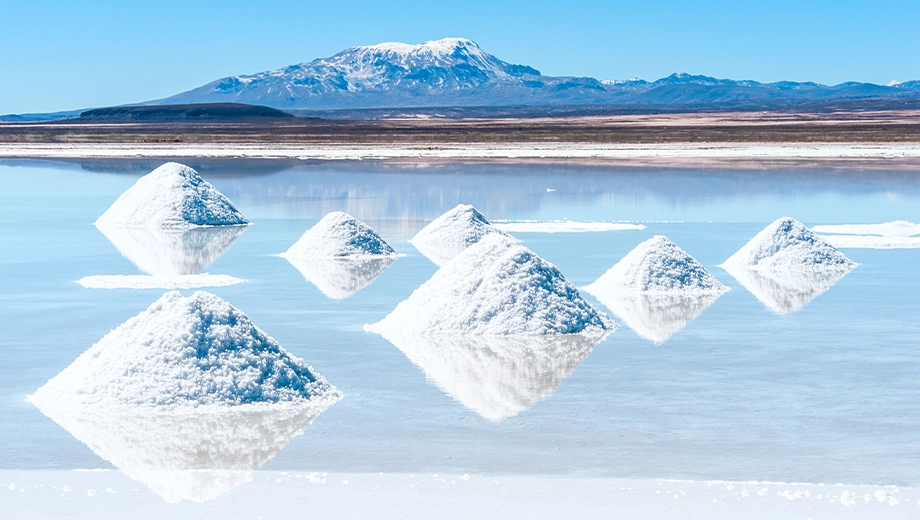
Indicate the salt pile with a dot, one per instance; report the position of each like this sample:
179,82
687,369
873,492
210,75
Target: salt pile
172,195
496,377
787,265
450,234
657,289
188,397
339,234
496,287
192,351
788,244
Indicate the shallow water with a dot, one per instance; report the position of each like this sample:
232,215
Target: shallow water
826,393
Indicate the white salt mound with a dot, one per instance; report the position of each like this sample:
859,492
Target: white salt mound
788,244
496,287
192,351
450,234
172,195
656,265
339,234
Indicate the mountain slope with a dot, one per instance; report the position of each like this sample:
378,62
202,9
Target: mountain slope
457,72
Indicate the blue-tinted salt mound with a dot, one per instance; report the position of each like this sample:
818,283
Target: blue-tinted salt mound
450,234
172,195
495,287
339,234
787,244
192,351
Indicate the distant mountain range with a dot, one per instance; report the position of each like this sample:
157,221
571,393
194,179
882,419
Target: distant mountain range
455,72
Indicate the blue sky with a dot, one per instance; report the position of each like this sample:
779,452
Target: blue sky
57,55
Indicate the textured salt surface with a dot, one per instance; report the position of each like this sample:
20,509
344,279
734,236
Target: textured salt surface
787,244
195,454
872,242
450,234
339,234
656,265
496,376
198,350
168,251
340,277
785,292
897,228
562,226
496,287
172,195
187,281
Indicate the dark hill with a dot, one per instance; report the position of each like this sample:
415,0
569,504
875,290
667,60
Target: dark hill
210,112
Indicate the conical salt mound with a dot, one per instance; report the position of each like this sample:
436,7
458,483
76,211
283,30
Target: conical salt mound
788,244
450,234
172,195
192,351
496,287
656,265
339,234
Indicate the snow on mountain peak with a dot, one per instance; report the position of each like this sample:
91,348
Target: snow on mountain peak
444,46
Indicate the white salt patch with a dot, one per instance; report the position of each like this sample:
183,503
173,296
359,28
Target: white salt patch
339,277
189,281
897,228
496,376
496,287
788,244
181,351
339,234
450,234
169,251
872,242
656,265
172,195
563,226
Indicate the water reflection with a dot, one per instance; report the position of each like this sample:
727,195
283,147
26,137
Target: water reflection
496,376
159,251
658,316
786,292
184,453
339,277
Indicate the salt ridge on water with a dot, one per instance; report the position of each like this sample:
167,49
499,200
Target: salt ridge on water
450,234
496,287
185,351
172,195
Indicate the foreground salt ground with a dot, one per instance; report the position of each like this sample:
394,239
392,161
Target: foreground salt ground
103,494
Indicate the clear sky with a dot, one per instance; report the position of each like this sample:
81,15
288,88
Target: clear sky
62,55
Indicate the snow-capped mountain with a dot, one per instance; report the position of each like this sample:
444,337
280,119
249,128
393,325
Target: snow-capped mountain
457,72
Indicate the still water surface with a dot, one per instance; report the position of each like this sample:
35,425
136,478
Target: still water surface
828,391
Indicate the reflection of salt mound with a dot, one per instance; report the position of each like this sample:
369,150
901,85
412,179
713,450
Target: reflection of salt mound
785,292
450,234
496,287
339,235
656,265
339,278
166,251
658,316
657,289
496,376
186,453
182,351
788,244
172,195
187,397
786,265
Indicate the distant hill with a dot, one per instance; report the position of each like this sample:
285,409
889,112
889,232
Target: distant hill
456,72
223,112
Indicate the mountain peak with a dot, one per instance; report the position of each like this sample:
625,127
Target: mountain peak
442,47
